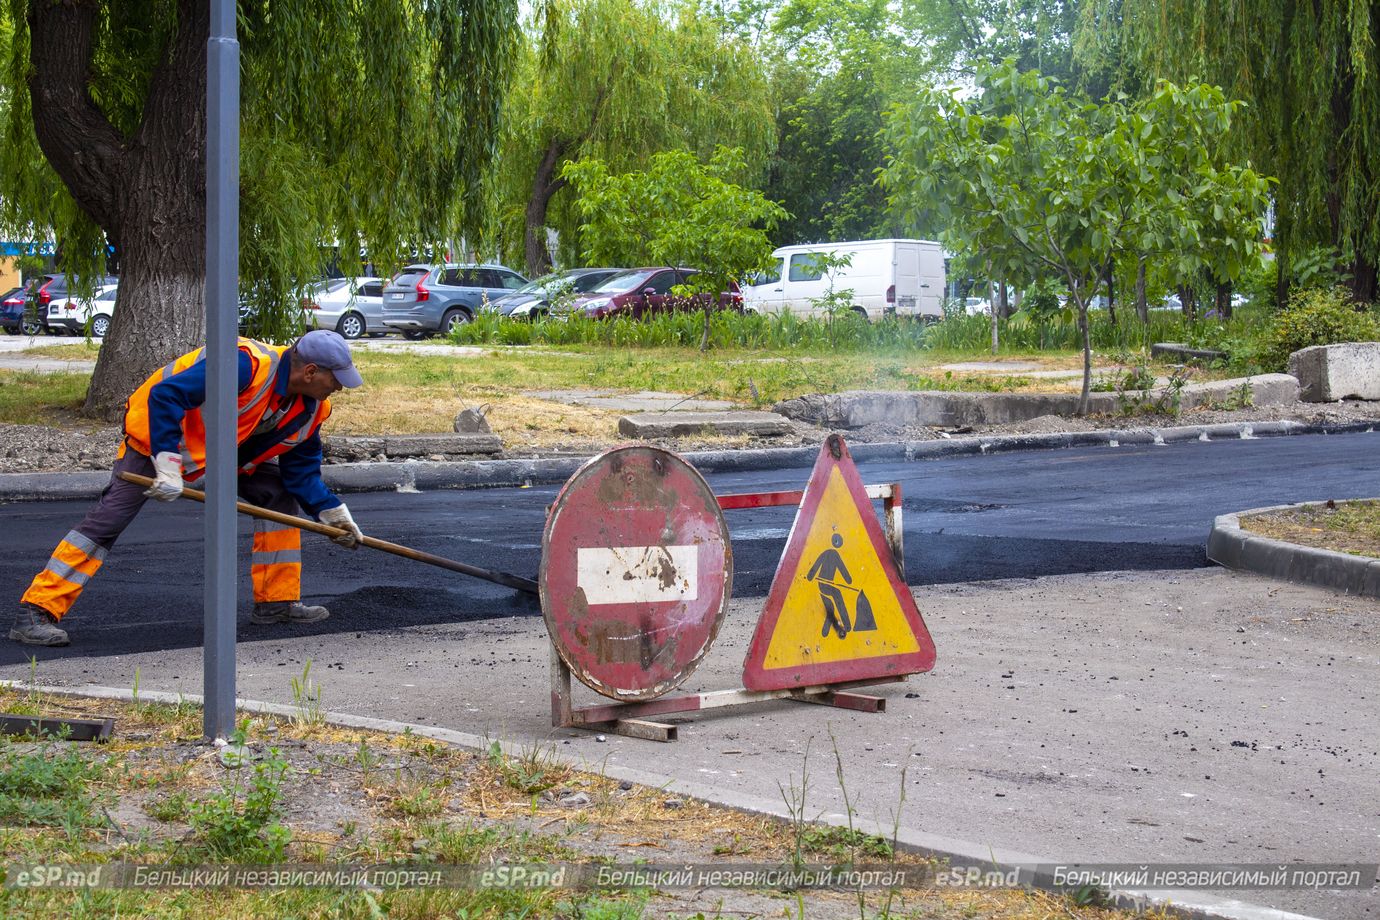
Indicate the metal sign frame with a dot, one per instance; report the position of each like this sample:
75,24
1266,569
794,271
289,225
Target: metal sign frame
629,718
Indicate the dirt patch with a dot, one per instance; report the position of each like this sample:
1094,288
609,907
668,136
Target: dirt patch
1343,527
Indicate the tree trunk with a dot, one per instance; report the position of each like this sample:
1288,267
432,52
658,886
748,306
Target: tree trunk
1363,281
147,192
545,184
1223,298
1005,299
1111,297
1187,302
1142,308
1082,409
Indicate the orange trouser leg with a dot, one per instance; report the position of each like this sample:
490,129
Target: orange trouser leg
71,566
276,563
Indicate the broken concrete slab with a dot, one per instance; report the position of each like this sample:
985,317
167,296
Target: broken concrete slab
404,447
860,408
678,424
1327,373
1176,350
644,401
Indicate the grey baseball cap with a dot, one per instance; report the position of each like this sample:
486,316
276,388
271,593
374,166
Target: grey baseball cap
327,349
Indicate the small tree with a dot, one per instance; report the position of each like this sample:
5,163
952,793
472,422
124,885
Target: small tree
679,212
1044,183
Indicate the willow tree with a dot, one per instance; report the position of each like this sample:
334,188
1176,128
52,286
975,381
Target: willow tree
838,66
363,126
618,81
1308,71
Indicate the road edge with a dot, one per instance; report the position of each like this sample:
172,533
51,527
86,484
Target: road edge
421,476
1232,546
1188,904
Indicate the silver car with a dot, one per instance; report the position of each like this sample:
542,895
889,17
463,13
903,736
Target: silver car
422,300
352,307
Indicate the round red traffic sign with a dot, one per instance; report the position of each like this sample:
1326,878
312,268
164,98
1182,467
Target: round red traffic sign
636,572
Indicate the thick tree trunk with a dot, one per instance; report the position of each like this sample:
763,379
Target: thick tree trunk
1363,280
147,192
545,184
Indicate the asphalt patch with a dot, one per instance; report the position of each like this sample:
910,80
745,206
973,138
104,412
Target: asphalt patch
392,606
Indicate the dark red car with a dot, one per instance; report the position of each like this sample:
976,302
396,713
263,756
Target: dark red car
639,292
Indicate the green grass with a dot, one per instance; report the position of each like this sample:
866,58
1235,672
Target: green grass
27,398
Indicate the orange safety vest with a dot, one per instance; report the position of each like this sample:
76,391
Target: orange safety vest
254,401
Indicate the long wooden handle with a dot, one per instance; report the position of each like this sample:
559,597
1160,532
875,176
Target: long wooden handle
291,520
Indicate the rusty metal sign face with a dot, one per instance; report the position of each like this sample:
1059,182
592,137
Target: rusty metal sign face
636,572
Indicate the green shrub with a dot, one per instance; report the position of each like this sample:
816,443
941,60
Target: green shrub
1315,316
240,823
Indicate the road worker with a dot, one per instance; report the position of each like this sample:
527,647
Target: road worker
283,399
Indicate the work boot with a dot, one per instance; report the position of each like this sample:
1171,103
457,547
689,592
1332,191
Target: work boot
268,612
36,626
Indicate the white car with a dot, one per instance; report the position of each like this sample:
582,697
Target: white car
82,316
352,307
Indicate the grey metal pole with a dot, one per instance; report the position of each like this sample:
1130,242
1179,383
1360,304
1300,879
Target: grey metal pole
222,319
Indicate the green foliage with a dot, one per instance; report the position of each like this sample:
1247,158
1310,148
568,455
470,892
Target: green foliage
837,65
1308,72
678,211
239,823
842,843
1043,184
48,786
1315,316
365,126
535,768
727,329
617,81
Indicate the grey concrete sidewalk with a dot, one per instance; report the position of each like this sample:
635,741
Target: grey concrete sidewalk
1196,717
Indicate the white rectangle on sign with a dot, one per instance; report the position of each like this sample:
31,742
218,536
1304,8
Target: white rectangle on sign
637,574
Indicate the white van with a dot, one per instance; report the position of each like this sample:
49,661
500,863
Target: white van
901,276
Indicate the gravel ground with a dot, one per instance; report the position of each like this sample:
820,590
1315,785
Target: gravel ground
38,448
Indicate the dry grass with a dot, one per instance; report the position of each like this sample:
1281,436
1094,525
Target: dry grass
412,793
1343,527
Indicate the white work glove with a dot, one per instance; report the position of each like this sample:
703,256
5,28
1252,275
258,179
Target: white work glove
339,516
167,480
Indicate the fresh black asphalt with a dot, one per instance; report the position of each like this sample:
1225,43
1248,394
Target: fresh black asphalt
1009,515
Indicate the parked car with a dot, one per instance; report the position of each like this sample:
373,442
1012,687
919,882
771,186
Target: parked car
82,315
423,300
975,305
352,307
905,277
45,289
12,313
641,292
535,298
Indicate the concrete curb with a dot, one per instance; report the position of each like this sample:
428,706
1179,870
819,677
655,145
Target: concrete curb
959,853
1236,548
421,476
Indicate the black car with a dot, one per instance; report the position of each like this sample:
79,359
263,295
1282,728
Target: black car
534,298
